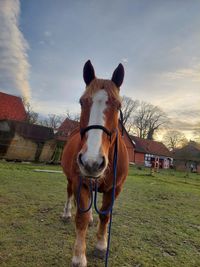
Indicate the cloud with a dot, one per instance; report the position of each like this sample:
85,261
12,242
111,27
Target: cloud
14,66
44,107
186,127
47,33
187,114
193,74
184,120
182,125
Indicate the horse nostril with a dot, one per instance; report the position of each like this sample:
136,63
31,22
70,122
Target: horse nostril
103,163
91,166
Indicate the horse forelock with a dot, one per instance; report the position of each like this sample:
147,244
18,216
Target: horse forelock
107,85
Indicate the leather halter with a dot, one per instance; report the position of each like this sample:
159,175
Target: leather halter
100,127
95,126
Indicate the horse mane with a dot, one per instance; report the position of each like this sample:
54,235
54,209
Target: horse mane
108,85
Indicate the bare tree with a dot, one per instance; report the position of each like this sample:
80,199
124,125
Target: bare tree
174,139
148,119
53,121
129,106
32,116
72,116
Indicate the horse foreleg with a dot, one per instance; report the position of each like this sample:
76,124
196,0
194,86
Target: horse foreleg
79,257
102,224
68,205
82,220
102,233
101,245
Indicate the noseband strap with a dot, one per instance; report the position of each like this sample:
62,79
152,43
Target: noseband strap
99,127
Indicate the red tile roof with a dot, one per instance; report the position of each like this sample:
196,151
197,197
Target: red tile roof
150,147
66,128
11,108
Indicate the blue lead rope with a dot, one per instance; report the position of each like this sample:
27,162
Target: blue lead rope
113,197
110,209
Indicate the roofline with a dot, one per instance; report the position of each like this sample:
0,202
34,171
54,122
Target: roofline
20,97
124,129
71,120
25,122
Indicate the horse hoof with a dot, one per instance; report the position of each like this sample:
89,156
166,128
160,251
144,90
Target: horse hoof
65,218
79,261
77,265
100,254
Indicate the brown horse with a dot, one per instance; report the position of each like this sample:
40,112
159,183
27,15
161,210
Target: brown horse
89,153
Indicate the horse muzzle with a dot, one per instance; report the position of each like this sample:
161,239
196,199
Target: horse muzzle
92,167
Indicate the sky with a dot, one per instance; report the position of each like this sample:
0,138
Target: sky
44,45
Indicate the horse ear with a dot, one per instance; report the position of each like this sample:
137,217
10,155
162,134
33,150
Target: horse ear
88,72
118,75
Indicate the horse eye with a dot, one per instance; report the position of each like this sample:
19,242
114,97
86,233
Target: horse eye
81,102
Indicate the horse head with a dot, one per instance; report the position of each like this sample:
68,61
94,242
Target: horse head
100,105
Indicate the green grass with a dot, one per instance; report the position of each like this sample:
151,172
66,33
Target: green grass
156,220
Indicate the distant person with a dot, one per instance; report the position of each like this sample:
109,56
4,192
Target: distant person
191,167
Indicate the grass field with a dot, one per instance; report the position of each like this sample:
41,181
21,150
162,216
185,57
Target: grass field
156,220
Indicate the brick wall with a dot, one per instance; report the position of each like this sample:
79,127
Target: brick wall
139,158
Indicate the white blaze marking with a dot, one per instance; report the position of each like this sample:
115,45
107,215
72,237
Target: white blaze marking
94,139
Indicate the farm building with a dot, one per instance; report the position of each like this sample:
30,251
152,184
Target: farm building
68,126
149,152
26,142
130,144
187,158
18,139
64,131
11,108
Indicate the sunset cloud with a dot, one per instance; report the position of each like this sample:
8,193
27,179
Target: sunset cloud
14,66
193,74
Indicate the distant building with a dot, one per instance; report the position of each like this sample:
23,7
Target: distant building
147,152
62,135
26,142
65,129
187,158
11,108
130,144
20,140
